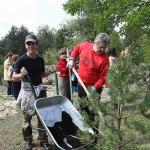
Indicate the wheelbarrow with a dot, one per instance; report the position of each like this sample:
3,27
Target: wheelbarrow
61,121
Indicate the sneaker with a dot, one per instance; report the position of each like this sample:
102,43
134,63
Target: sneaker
28,146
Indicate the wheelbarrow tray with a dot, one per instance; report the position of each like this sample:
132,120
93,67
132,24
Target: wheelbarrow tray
44,105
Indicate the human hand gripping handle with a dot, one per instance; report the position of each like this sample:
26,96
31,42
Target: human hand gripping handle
23,71
70,63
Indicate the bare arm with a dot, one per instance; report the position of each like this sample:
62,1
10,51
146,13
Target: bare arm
17,76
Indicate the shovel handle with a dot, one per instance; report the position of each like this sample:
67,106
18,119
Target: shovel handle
80,81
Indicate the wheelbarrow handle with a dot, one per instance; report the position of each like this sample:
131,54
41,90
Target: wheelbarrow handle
32,87
81,82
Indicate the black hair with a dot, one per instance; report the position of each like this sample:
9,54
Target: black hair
112,52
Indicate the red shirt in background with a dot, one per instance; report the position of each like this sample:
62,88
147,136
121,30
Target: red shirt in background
93,68
61,65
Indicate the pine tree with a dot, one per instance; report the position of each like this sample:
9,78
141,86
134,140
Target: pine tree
122,126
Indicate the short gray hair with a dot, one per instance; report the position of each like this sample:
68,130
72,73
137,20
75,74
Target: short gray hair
102,38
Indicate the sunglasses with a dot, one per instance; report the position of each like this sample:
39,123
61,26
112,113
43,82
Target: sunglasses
31,43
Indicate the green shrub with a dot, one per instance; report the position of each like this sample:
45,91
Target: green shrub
51,56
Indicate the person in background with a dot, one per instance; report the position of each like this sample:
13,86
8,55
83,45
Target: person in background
30,67
61,66
112,56
7,77
125,52
112,60
74,78
16,85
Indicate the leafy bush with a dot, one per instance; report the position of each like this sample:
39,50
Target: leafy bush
1,68
51,56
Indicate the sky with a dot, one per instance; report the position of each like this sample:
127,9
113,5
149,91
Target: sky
32,14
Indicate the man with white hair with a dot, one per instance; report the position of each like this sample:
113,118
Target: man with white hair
93,66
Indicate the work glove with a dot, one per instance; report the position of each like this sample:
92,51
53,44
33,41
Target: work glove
23,71
70,63
52,69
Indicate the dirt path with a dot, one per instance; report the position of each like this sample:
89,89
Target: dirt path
7,108
7,103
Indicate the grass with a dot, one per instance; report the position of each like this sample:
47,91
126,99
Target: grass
10,132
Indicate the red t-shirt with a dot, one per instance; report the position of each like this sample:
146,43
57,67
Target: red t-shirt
93,68
62,68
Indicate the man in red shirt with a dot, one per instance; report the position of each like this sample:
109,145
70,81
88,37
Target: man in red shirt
93,64
93,67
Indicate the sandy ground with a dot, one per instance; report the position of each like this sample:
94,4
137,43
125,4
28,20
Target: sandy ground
7,103
7,108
